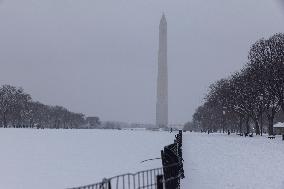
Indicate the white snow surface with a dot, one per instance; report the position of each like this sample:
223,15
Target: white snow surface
32,159
219,161
58,159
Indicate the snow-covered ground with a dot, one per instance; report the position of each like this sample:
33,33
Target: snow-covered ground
64,158
32,159
218,161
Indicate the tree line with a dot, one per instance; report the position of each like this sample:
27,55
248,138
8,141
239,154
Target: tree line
18,110
250,100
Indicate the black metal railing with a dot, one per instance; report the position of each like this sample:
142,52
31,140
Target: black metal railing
140,180
172,155
166,177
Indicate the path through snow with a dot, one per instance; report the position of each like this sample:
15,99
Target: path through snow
219,161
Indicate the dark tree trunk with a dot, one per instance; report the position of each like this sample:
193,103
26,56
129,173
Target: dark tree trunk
241,124
282,107
31,123
270,121
261,124
4,120
247,125
223,124
270,125
257,130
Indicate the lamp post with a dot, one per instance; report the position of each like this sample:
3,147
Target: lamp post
261,120
224,113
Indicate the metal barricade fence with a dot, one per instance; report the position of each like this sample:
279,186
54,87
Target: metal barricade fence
167,177
172,155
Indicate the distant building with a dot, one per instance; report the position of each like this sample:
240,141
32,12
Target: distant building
279,128
142,125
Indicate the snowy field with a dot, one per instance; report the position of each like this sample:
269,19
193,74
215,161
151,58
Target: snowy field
32,159
218,161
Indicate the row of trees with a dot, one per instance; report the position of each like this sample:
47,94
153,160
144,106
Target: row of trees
17,109
251,99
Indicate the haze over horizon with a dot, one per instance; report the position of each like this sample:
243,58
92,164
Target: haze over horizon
100,57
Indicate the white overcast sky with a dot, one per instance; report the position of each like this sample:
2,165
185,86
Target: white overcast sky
99,57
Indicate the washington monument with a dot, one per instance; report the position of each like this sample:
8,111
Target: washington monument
162,82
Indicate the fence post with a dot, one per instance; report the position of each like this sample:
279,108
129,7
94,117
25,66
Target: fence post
160,184
105,184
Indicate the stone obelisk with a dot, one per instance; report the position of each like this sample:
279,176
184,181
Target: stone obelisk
162,82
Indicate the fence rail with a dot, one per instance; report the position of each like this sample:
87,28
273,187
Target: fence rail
172,155
166,177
